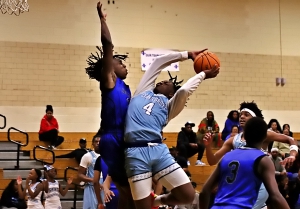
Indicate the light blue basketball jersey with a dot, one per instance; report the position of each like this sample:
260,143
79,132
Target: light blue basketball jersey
147,114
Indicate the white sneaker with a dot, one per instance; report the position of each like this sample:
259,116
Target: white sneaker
199,163
188,163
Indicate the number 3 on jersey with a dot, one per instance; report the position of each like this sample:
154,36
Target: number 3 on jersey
234,166
148,107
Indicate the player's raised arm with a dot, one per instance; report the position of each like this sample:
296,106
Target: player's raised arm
272,136
108,76
214,158
148,80
178,101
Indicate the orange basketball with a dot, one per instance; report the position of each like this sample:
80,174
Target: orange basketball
205,61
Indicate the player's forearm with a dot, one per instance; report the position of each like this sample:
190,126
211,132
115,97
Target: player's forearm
192,84
204,198
159,63
211,158
97,192
105,34
177,103
107,182
277,201
84,178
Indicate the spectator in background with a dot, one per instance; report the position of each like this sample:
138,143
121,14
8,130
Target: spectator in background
287,126
234,131
77,153
12,196
273,125
283,148
209,125
232,120
279,169
49,129
179,159
187,144
86,174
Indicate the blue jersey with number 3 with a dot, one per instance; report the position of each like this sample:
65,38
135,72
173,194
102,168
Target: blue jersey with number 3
147,114
238,184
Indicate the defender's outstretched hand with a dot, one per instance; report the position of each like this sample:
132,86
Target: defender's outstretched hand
100,12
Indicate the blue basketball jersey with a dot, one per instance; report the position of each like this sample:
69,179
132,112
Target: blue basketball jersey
114,106
146,116
238,184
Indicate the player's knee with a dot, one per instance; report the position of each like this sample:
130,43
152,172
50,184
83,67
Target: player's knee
184,193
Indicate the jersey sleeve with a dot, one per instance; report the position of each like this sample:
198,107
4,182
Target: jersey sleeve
178,101
148,80
97,166
86,160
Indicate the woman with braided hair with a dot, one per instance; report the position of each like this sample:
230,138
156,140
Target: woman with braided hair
150,109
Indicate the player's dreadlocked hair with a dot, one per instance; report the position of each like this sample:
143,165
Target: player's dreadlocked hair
95,62
252,106
174,81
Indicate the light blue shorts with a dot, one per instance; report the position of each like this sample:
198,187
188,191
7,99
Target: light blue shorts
150,160
262,197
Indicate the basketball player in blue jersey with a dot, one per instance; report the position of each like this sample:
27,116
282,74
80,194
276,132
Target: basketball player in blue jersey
239,178
249,110
150,109
110,71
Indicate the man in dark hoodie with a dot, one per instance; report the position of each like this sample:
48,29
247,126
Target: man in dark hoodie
187,144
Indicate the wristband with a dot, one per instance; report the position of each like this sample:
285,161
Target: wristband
294,148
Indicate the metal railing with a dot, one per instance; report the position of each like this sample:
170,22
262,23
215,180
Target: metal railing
4,122
19,144
76,185
43,160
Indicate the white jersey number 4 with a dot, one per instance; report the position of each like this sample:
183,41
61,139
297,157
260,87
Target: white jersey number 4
148,108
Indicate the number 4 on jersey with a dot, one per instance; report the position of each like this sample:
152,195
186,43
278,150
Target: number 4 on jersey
148,108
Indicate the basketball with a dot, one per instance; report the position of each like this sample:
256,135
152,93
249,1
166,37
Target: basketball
205,61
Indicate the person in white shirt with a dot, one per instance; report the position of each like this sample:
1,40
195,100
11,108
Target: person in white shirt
86,174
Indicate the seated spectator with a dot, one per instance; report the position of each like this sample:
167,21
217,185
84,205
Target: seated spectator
287,126
77,153
49,129
209,124
279,169
179,159
283,148
187,145
232,120
12,196
273,125
234,131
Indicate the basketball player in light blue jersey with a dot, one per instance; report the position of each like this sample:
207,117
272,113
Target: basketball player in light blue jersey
249,110
239,178
111,72
149,111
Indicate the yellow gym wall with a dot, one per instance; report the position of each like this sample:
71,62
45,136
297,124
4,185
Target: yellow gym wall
43,53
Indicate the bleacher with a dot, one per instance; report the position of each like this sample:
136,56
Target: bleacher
27,161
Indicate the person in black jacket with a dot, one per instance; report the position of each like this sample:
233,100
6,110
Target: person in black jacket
77,153
187,144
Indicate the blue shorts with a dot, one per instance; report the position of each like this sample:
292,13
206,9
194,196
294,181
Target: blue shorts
112,152
150,159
